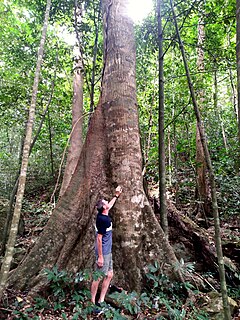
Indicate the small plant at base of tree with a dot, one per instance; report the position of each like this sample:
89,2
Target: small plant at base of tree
68,297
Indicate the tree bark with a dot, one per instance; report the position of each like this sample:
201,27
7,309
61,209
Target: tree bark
226,307
111,155
76,140
50,143
161,133
26,150
169,159
203,192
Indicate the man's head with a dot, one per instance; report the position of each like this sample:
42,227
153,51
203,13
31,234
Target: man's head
102,205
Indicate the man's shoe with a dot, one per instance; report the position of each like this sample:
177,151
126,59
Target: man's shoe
98,309
104,306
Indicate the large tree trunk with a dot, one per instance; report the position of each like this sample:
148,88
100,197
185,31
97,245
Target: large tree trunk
76,140
111,155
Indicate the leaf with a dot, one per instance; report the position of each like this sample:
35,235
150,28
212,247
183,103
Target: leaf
19,299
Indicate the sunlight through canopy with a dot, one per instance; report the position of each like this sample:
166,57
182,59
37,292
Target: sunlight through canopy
139,9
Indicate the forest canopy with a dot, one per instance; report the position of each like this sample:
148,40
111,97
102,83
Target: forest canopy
21,23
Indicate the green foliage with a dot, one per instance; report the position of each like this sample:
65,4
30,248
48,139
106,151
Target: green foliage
234,293
21,23
219,55
161,294
41,303
229,195
59,281
164,292
185,267
68,294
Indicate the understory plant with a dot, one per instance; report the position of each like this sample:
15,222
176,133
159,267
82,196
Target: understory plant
68,297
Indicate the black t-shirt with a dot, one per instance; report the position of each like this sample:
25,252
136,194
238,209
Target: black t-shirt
104,227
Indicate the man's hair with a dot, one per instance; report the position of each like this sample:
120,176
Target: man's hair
100,206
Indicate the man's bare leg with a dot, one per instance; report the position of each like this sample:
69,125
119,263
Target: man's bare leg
105,285
94,288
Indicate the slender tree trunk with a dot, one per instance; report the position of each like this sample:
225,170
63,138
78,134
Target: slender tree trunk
203,192
23,173
14,190
111,155
169,159
50,143
227,312
12,199
161,143
238,78
148,142
234,94
75,147
232,80
174,147
218,112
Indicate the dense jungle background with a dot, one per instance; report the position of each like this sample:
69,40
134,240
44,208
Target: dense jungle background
73,62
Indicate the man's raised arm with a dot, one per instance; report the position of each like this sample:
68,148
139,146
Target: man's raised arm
118,191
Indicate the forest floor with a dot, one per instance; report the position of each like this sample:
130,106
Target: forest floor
68,298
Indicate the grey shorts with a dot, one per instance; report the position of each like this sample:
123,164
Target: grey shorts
107,264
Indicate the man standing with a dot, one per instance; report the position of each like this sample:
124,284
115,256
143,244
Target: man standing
103,246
